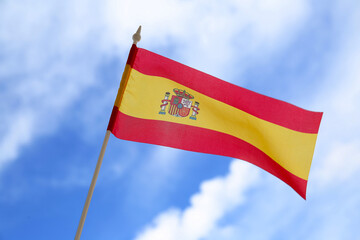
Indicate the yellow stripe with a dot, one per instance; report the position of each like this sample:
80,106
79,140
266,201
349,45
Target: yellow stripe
291,149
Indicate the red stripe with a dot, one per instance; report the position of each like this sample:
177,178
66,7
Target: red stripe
112,119
132,55
199,140
171,110
261,106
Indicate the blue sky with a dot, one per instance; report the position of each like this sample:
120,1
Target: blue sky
60,67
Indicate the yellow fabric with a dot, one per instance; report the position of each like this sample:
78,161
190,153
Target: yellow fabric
124,80
291,149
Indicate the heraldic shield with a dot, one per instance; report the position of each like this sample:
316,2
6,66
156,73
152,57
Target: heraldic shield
180,104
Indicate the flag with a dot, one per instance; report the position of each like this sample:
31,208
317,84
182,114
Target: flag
163,102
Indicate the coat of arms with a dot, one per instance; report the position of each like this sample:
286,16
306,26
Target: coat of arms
180,104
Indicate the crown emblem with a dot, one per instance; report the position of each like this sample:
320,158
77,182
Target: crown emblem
180,104
183,94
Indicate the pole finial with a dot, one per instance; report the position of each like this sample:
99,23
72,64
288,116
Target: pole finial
136,37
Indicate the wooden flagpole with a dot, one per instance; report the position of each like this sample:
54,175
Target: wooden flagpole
136,38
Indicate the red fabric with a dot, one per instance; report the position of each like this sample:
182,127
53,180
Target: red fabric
198,140
266,108
132,55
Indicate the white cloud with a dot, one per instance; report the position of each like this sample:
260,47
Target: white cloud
216,198
18,133
205,33
340,163
339,141
45,65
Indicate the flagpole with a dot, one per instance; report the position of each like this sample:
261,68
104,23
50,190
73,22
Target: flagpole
92,186
136,38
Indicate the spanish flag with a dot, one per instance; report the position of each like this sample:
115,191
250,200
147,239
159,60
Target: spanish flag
166,103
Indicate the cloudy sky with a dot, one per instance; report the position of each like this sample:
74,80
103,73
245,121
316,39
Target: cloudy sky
60,67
